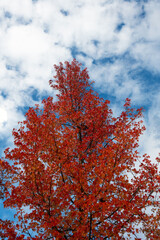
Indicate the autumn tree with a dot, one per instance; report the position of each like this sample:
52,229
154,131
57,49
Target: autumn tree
75,169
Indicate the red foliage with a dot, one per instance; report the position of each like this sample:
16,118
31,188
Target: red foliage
74,166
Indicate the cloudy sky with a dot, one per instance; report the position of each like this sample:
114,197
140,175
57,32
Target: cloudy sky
117,40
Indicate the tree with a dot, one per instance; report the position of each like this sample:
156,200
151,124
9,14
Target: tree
76,172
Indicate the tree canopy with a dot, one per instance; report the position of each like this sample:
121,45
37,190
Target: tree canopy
75,171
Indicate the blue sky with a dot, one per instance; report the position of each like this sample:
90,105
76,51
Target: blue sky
117,40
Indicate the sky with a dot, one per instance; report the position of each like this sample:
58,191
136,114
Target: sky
117,40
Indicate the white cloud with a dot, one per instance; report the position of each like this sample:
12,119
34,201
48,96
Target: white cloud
148,55
17,8
153,130
3,116
22,42
146,35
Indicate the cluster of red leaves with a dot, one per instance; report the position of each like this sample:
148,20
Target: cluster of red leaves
74,166
7,231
